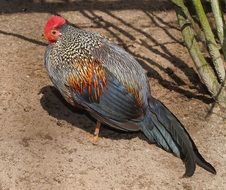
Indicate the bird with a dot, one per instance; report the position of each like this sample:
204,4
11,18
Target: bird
99,76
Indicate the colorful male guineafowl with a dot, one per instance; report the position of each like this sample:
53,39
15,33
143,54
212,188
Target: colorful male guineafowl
102,78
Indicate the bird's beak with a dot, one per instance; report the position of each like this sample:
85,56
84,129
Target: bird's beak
44,37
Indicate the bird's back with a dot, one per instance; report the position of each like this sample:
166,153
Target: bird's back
76,45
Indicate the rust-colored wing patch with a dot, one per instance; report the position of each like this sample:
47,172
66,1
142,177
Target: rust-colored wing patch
136,94
87,74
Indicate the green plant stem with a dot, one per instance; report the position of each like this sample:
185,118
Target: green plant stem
224,43
205,71
218,19
180,3
211,43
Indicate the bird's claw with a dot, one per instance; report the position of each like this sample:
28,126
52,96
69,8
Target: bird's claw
93,139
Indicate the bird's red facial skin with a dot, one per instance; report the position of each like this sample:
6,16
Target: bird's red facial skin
52,36
51,32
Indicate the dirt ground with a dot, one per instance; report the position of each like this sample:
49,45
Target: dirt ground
43,142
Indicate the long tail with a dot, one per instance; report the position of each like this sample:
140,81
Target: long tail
163,128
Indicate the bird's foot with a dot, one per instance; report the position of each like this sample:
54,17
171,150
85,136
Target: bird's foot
93,138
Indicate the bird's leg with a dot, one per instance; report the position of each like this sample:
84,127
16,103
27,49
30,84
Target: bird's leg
94,138
96,132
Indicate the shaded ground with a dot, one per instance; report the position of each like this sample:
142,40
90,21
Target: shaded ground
43,142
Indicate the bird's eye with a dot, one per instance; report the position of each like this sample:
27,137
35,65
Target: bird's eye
53,32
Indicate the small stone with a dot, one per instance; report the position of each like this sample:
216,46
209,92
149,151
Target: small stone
59,123
27,109
25,142
47,136
70,160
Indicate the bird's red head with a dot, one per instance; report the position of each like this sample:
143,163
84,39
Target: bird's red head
51,29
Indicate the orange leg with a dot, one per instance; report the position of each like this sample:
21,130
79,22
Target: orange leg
97,129
94,138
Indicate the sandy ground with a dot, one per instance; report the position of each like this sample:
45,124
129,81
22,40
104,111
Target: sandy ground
43,142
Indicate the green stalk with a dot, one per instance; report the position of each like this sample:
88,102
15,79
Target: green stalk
206,73
218,19
198,32
211,43
224,40
224,43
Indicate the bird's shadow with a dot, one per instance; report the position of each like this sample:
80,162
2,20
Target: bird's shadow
57,107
